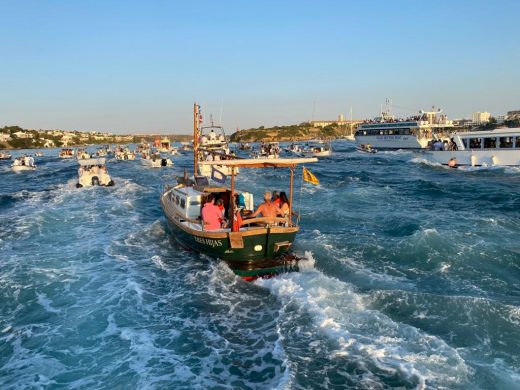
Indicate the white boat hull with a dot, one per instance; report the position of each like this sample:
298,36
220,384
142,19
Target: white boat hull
325,153
157,163
127,157
392,141
20,168
491,157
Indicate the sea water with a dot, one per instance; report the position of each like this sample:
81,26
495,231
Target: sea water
410,280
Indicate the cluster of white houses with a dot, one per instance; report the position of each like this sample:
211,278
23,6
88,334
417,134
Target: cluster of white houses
66,138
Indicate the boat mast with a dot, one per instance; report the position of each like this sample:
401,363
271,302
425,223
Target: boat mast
196,109
291,194
232,200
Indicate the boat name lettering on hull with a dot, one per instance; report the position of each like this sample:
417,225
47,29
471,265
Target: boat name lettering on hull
208,241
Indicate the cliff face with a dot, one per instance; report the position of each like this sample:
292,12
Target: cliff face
289,133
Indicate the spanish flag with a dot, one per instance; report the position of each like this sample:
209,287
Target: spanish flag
309,177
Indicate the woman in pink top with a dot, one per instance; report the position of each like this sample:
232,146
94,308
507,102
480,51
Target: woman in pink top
211,214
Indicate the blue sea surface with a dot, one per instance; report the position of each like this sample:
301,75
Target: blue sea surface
411,280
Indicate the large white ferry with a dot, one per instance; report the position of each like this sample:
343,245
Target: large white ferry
416,132
499,147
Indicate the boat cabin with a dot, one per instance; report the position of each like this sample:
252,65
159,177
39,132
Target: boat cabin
494,139
188,201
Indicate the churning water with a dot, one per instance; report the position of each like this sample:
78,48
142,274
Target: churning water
411,280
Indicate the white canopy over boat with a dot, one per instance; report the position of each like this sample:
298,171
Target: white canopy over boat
91,161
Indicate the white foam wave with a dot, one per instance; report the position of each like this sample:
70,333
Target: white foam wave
342,314
46,303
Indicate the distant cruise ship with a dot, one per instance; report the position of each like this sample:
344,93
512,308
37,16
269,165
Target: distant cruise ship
416,132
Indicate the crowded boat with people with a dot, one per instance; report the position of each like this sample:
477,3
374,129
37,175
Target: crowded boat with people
499,147
82,154
124,154
317,150
415,132
155,160
23,163
269,150
93,172
294,148
67,153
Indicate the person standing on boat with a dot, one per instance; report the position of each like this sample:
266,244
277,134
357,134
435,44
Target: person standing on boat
211,214
268,209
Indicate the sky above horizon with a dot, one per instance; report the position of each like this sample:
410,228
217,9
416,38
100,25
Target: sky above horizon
138,66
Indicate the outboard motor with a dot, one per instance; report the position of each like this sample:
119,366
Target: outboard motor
95,181
163,162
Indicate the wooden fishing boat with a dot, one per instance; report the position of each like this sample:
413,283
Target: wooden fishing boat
255,247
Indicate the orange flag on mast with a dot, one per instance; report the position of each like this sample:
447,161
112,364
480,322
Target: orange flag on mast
309,177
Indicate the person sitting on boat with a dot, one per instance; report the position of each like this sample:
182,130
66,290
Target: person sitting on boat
276,198
268,209
284,203
211,214
220,205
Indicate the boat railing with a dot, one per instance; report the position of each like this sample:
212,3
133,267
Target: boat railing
264,220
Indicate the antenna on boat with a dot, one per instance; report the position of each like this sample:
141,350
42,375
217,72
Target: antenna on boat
221,111
197,119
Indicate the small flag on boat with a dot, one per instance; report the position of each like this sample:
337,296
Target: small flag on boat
309,177
217,175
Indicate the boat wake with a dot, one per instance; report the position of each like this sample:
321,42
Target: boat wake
373,349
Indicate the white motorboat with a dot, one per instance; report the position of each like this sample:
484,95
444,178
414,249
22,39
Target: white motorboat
317,151
24,163
67,153
269,150
295,149
82,154
155,160
212,146
5,156
101,152
499,147
93,172
366,148
124,154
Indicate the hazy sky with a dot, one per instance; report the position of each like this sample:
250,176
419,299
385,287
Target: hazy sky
138,66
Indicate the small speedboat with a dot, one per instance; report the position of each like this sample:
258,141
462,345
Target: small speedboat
5,156
67,153
38,154
366,148
124,154
155,160
269,150
23,164
295,149
317,151
82,154
93,172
